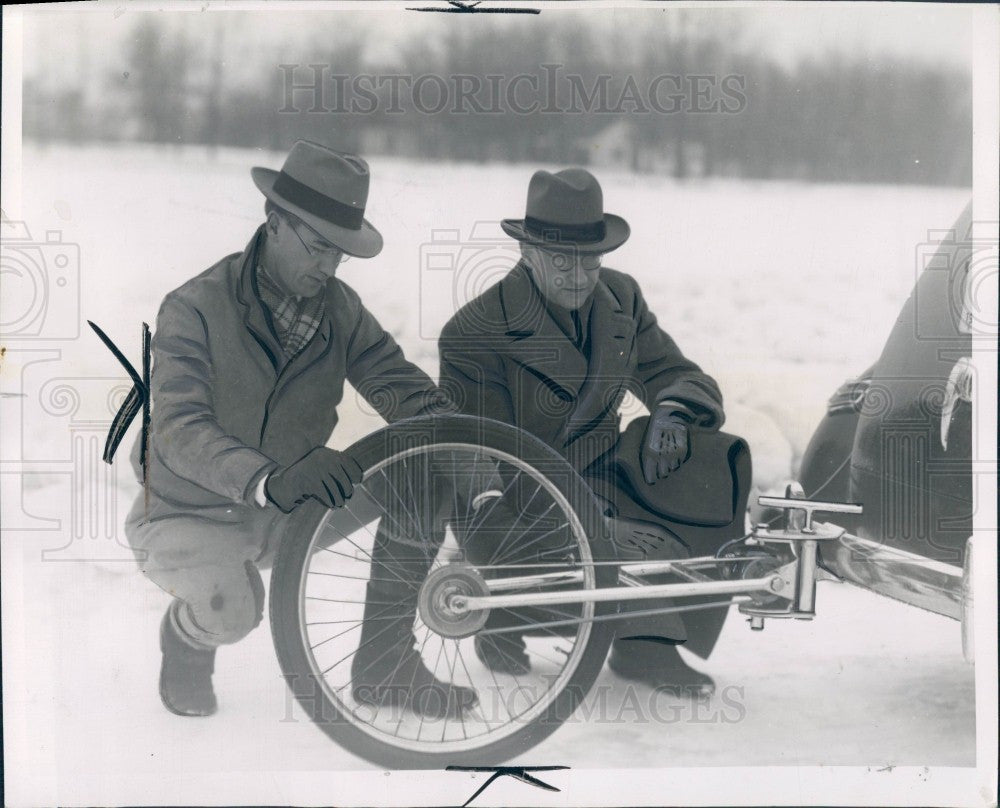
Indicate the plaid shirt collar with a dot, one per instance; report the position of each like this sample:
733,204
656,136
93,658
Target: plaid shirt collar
296,320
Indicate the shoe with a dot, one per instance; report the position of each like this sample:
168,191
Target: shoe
407,682
503,653
661,667
185,673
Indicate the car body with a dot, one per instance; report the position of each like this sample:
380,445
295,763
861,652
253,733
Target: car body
898,439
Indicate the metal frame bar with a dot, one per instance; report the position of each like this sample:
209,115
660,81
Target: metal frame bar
604,618
684,568
772,583
928,584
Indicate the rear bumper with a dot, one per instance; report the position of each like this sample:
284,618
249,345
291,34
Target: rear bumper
932,585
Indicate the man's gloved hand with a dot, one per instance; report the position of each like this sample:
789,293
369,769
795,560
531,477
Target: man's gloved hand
665,446
321,473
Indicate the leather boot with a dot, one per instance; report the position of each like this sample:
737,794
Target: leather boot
186,671
503,653
401,679
660,666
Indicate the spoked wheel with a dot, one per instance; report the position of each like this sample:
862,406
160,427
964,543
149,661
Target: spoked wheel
450,507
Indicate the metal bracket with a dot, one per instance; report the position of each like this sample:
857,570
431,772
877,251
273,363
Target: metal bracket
803,534
799,511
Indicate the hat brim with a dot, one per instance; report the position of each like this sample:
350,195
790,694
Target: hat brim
616,233
366,242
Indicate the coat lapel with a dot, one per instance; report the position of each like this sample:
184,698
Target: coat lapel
537,343
612,340
255,320
250,305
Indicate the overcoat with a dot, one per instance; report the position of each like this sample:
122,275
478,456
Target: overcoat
227,407
503,356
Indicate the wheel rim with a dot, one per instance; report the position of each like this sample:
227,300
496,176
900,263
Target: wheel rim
331,596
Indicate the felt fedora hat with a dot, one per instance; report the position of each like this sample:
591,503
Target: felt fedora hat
326,189
565,211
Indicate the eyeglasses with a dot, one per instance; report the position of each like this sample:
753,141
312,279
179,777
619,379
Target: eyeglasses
313,251
564,261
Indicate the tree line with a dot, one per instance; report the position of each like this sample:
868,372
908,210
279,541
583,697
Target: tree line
679,98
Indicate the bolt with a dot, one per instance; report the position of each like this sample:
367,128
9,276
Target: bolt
458,603
777,584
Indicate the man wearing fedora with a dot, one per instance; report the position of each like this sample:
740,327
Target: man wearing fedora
249,363
552,348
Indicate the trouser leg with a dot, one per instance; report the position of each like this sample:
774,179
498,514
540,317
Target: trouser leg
220,604
387,670
617,506
406,543
700,627
704,626
397,571
697,629
208,559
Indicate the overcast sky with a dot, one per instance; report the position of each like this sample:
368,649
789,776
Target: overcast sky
60,41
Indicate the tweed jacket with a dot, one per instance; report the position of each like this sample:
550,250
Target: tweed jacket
227,408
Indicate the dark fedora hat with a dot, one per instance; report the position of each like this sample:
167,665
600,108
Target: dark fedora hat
565,211
326,189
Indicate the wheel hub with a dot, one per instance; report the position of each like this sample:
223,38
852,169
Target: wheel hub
437,605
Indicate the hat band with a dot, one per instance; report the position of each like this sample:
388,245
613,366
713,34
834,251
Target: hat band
321,205
550,231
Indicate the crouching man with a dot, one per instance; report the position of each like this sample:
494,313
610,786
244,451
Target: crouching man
249,363
552,349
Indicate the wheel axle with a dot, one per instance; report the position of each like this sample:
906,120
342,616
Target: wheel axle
442,598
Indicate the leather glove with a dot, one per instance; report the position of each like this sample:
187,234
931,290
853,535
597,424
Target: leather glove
665,446
323,474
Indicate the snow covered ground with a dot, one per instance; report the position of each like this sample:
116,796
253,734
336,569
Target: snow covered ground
870,682
780,290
